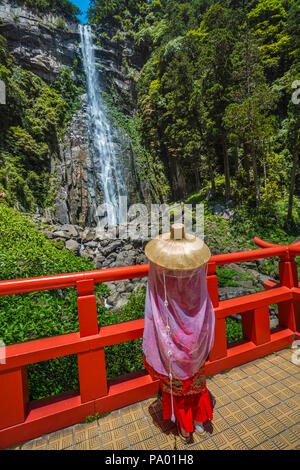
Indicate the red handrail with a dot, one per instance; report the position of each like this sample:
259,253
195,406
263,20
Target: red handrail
20,421
18,286
58,281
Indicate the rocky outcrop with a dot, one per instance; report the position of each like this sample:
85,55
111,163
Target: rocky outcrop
119,64
73,169
42,44
79,191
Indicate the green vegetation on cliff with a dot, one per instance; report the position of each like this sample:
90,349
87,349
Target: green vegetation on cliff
60,7
31,125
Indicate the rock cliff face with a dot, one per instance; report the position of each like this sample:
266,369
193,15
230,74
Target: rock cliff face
38,43
44,44
119,65
72,168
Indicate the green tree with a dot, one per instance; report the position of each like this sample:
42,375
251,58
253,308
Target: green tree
247,117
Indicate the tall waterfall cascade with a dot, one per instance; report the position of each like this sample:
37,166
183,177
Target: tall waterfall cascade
108,169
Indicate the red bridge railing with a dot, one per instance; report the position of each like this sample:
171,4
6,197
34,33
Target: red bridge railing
21,420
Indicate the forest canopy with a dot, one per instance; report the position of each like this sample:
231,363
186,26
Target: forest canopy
214,94
65,7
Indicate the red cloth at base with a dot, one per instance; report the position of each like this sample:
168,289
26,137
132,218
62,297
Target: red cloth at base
188,409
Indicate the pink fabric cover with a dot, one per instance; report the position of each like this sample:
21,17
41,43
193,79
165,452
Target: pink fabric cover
191,321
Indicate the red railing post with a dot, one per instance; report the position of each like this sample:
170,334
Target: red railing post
288,274
256,325
91,364
13,396
212,284
289,278
87,308
219,349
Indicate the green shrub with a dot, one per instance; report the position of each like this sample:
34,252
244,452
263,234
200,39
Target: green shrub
61,24
31,127
233,330
26,252
226,275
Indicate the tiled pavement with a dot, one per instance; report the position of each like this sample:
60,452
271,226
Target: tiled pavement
257,407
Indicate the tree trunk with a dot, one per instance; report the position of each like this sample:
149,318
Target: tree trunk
292,188
255,175
246,165
236,159
226,171
264,163
211,175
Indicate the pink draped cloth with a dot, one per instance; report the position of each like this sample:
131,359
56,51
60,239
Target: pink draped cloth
190,316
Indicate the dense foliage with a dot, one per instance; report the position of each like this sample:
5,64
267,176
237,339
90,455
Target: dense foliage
31,125
26,252
61,7
214,95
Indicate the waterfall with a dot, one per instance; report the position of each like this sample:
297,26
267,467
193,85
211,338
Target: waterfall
108,170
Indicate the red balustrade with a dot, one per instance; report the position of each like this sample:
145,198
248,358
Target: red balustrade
21,420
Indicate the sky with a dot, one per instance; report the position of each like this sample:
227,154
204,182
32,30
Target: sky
83,5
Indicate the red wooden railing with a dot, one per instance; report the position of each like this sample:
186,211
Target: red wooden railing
20,420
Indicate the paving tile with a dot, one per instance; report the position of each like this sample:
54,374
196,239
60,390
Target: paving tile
265,398
115,440
277,373
250,369
85,431
149,444
267,445
221,399
36,444
237,374
166,439
221,380
132,413
286,353
250,434
209,444
295,388
296,430
234,391
232,414
257,407
228,440
249,405
264,378
158,424
91,444
250,385
269,424
293,403
110,422
138,431
280,391
290,381
286,441
277,360
61,439
290,367
219,424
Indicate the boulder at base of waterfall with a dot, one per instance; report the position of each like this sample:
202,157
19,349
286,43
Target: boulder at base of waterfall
87,235
72,245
